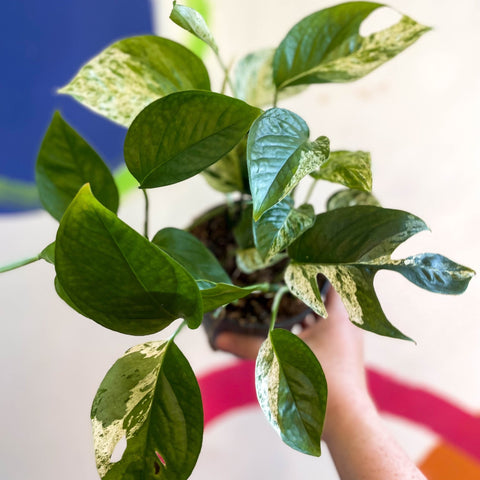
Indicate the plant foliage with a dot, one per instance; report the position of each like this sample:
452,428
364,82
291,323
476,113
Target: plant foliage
241,142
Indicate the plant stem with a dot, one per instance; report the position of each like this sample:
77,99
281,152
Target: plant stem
177,331
145,225
276,303
226,71
19,264
275,98
310,191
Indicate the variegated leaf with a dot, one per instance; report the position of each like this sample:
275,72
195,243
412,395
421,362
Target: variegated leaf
279,155
150,397
351,169
327,46
349,246
253,79
249,260
351,198
191,21
130,74
292,390
280,225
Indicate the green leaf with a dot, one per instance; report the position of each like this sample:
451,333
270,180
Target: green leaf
433,272
151,397
128,75
216,295
191,21
118,278
230,173
280,225
249,260
292,390
64,164
253,79
192,254
349,246
279,155
351,169
64,296
351,198
180,135
48,253
326,46
243,230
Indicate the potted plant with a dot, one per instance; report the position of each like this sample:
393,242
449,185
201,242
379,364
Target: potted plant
271,254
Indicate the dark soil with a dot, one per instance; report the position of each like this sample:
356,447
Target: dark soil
250,315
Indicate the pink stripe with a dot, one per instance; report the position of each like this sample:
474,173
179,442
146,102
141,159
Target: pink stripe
234,387
442,417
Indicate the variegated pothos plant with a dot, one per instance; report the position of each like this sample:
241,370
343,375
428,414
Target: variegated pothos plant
137,285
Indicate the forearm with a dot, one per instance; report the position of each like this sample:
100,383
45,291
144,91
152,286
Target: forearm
361,447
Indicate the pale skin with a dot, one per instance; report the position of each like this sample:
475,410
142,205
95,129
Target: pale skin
356,436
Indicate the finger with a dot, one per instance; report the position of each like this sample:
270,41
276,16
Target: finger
244,346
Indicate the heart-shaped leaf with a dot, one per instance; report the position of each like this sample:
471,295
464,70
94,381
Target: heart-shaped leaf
191,21
216,295
118,278
292,390
192,254
280,225
326,46
65,163
133,72
151,397
180,135
279,155
249,260
351,198
349,246
253,79
351,169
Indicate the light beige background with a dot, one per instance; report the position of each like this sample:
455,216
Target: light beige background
418,116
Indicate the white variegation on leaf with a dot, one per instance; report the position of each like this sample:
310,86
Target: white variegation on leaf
279,155
349,246
327,46
249,260
191,20
253,79
351,169
130,74
280,225
151,397
351,198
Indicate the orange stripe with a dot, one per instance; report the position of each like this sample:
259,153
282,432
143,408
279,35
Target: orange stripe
446,463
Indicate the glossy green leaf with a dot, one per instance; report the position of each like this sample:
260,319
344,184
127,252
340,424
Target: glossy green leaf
351,198
230,173
249,260
253,79
191,21
118,278
133,72
279,155
292,390
216,295
351,169
349,246
180,135
64,296
65,163
192,254
151,397
326,46
280,225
